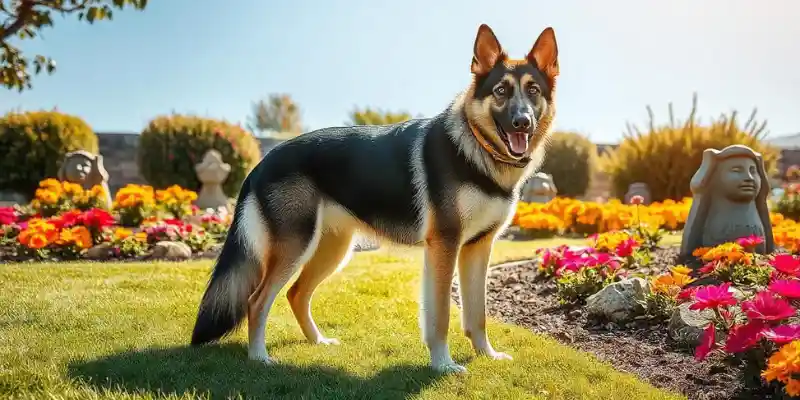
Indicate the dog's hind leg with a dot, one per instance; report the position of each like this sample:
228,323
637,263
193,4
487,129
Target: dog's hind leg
294,240
473,262
334,251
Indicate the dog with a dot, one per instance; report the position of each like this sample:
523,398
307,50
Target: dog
449,184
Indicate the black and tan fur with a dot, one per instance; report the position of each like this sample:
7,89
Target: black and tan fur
449,183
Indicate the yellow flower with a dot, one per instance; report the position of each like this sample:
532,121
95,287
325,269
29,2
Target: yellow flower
81,236
140,236
122,233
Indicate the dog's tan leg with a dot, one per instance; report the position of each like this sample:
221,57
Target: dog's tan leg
473,262
437,277
334,250
283,260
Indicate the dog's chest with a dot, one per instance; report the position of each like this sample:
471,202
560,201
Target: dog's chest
479,211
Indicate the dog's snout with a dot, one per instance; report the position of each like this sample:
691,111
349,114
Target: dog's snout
521,121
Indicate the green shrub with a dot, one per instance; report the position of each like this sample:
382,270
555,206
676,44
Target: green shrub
170,146
571,159
667,156
33,145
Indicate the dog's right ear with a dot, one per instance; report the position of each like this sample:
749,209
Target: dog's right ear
487,51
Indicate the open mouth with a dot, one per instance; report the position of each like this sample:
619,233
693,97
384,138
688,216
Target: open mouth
516,142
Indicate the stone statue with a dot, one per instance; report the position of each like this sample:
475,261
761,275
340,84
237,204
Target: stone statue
730,192
212,173
638,189
87,170
540,188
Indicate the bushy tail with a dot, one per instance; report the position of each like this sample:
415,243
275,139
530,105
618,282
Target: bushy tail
224,304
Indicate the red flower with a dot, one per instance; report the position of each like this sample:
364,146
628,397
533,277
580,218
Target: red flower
96,218
786,288
626,247
687,293
713,297
637,199
783,334
766,306
749,243
8,216
708,268
707,343
787,264
743,337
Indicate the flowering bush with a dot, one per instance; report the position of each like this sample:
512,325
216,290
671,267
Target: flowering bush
789,202
666,289
134,204
125,243
176,201
178,231
54,196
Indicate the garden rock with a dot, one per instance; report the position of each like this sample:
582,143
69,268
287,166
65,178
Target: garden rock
619,301
100,252
171,250
686,326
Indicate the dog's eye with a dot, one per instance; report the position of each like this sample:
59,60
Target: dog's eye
533,90
500,91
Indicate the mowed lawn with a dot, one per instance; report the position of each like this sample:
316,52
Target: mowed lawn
120,331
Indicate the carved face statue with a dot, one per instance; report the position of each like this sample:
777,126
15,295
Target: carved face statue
78,168
737,179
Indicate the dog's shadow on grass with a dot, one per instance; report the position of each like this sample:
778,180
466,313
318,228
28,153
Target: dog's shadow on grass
223,371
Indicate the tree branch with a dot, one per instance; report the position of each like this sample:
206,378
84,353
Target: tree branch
23,11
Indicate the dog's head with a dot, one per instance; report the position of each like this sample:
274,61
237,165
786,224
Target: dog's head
511,101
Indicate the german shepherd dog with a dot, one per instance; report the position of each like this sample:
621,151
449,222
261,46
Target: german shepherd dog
449,183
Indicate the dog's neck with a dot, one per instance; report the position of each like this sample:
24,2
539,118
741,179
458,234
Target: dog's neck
485,158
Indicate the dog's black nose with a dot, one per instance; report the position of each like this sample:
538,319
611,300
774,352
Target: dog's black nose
522,121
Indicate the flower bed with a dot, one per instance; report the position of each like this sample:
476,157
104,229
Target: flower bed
730,328
65,222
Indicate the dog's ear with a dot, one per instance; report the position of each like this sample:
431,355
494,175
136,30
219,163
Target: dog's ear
544,53
487,51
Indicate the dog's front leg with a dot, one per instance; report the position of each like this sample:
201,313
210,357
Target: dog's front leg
473,262
441,254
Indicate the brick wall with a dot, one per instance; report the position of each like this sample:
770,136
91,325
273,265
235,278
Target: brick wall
119,151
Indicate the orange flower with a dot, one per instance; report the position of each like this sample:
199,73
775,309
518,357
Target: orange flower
700,251
783,365
37,241
81,236
122,233
140,236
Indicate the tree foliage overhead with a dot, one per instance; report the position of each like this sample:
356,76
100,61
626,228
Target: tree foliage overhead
276,114
24,19
369,116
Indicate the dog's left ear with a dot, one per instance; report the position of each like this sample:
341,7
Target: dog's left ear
487,52
544,53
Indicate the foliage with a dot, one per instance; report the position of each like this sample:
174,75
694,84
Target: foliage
277,114
571,159
789,202
134,204
24,19
369,116
171,146
54,196
665,157
34,145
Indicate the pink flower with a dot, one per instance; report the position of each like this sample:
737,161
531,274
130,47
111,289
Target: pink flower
626,247
766,306
787,264
713,297
783,333
749,243
786,288
8,216
687,293
637,199
707,343
743,337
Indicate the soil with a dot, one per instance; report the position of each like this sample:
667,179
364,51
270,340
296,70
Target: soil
517,294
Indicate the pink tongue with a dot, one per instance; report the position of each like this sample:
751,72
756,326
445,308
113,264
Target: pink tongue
518,141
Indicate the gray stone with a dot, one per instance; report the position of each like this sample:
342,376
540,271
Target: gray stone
171,250
620,301
10,198
540,188
101,251
730,190
212,173
638,189
686,326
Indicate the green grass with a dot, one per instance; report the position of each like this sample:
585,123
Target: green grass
120,331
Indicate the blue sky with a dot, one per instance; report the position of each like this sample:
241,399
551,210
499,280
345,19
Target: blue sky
198,56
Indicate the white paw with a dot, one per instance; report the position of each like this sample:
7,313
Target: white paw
450,368
496,355
261,357
328,341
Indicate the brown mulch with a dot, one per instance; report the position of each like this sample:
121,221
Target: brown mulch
515,294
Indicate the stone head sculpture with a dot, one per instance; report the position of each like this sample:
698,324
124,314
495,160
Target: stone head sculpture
540,188
212,169
84,168
730,191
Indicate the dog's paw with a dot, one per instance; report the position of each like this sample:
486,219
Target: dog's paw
450,368
261,357
328,341
497,355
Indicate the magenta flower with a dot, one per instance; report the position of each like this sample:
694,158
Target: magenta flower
783,333
743,337
765,306
786,288
707,343
749,243
787,264
626,247
713,297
